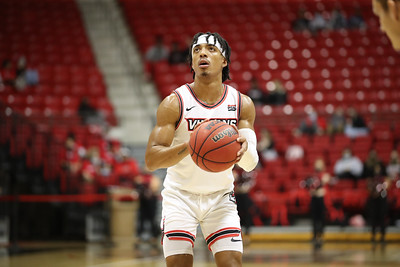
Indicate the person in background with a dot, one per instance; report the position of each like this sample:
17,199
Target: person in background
338,20
393,166
244,182
301,23
318,23
356,20
388,12
378,187
369,168
71,161
148,185
7,73
256,94
176,55
316,185
156,53
355,124
348,166
266,146
312,124
277,93
126,168
337,122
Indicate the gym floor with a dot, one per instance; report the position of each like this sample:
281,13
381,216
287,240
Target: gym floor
256,254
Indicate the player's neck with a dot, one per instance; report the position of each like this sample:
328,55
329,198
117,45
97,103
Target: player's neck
208,92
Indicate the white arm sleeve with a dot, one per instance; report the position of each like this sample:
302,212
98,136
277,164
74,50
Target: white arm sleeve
250,158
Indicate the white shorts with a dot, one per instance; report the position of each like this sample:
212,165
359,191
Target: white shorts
216,213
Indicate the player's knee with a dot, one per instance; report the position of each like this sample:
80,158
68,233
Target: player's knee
228,259
181,260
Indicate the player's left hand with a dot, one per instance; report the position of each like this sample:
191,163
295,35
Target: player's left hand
243,142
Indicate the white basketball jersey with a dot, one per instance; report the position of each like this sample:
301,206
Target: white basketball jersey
186,175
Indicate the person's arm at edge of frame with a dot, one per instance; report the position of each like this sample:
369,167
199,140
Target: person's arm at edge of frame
247,157
159,152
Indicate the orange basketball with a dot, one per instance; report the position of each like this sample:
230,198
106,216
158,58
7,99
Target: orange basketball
213,146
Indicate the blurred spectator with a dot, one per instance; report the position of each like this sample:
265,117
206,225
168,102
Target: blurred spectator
356,21
244,182
256,94
266,146
337,122
393,167
88,113
294,152
313,124
126,168
176,56
338,20
316,185
7,73
277,93
318,23
348,166
355,124
378,186
148,186
301,23
158,51
71,161
90,169
369,169
25,76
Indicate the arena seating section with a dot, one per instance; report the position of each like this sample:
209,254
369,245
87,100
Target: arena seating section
346,68
34,122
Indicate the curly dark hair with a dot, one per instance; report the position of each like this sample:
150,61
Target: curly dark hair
225,49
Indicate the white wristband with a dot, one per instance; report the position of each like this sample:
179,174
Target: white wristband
250,158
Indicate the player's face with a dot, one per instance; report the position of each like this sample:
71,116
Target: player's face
389,21
207,60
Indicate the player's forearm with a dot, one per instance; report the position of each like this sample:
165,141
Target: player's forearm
158,157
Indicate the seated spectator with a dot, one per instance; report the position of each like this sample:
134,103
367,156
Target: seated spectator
71,161
370,163
393,167
266,146
337,122
257,94
88,113
356,21
338,20
277,93
126,168
7,73
90,170
318,23
313,124
156,53
355,124
348,166
294,152
176,56
301,23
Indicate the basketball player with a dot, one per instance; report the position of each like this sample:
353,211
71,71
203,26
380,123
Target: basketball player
191,196
388,12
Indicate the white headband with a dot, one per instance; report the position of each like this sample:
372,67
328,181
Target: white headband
211,41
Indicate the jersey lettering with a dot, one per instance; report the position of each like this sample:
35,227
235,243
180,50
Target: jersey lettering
192,122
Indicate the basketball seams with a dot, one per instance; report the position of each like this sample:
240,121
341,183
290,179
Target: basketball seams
214,140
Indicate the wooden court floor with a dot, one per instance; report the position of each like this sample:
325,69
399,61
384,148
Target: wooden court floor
276,254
